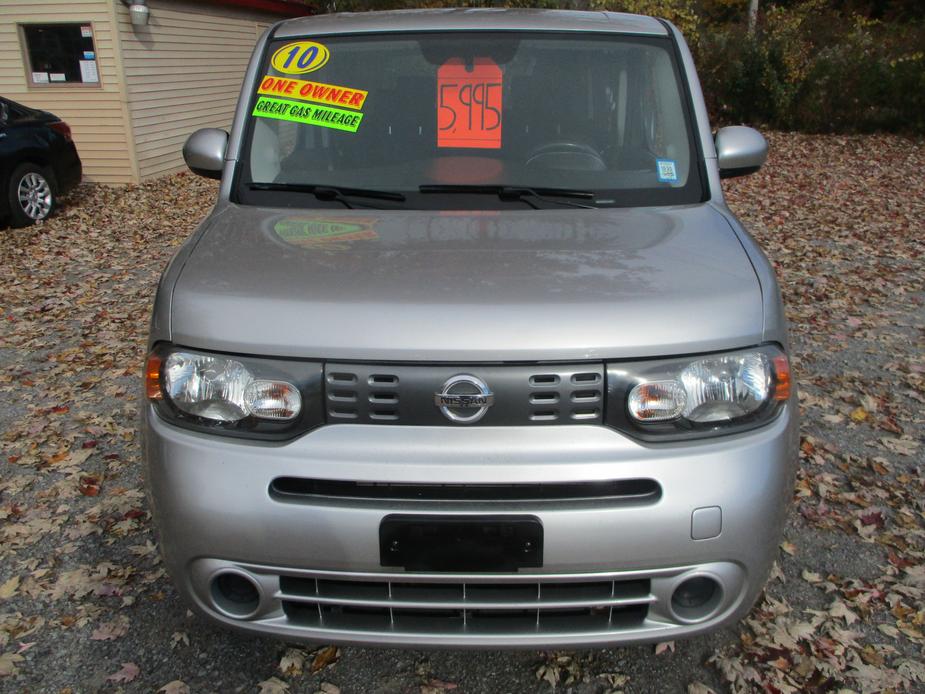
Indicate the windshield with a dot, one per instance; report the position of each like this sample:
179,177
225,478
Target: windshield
469,121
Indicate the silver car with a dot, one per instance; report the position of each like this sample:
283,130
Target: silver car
471,351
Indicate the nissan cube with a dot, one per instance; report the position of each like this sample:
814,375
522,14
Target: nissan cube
471,351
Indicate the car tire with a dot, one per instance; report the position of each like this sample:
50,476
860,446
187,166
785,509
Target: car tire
30,194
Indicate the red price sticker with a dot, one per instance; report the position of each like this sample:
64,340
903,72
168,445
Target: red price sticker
469,104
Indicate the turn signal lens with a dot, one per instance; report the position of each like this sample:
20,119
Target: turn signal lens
272,400
657,401
153,377
781,377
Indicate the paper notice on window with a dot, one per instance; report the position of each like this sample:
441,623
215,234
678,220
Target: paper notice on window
40,77
58,77
469,104
88,71
86,31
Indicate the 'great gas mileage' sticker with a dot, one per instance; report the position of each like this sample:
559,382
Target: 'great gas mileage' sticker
469,104
300,57
297,112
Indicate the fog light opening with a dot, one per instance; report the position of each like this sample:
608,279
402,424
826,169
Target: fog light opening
696,598
235,594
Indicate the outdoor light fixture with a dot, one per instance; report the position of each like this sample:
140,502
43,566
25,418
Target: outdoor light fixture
138,11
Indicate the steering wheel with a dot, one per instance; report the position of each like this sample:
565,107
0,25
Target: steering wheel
567,155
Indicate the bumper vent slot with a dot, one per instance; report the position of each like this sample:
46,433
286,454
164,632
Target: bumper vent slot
637,491
461,607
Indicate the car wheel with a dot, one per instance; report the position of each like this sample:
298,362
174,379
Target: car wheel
31,195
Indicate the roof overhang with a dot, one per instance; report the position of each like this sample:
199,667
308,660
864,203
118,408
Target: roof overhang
283,8
471,19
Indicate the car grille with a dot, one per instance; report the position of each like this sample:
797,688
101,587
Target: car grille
523,395
461,607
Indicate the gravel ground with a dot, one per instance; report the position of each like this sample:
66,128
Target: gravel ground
85,605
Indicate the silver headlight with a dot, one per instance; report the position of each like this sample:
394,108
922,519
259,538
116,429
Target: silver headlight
700,394
223,390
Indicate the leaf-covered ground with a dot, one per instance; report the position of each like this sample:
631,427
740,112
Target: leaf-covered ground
85,604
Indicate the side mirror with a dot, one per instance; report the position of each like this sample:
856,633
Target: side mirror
204,152
740,151
4,113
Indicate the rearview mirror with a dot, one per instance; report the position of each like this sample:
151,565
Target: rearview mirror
204,152
740,151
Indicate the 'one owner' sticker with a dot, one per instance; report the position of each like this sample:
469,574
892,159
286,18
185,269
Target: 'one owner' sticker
312,91
324,116
469,104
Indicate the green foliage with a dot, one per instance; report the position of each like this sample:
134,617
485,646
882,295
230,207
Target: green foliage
681,13
810,68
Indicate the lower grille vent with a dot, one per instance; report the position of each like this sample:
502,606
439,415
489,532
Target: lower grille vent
579,607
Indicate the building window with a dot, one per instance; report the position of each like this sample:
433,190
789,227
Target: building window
60,54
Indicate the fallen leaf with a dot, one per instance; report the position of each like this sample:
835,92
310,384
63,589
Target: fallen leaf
128,673
110,631
175,687
326,656
664,647
273,685
292,662
8,664
9,587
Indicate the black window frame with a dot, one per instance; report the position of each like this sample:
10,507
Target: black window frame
27,52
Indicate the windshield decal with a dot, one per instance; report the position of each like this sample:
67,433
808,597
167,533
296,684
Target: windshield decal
313,91
300,57
297,112
667,170
469,104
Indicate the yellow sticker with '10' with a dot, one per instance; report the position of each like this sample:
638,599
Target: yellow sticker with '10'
300,57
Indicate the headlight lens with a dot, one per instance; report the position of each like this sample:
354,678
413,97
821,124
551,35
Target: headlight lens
208,387
699,396
264,398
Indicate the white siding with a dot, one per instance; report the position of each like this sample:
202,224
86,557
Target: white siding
183,71
96,114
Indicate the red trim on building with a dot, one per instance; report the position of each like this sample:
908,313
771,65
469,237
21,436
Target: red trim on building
279,7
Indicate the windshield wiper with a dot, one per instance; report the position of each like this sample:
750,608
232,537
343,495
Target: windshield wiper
335,193
518,193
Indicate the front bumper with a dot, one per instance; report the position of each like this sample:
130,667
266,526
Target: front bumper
610,566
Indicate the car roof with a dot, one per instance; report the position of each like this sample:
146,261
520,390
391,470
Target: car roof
470,19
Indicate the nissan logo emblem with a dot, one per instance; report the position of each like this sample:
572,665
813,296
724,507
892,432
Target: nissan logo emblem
464,399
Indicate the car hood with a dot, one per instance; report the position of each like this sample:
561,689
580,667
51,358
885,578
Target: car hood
529,285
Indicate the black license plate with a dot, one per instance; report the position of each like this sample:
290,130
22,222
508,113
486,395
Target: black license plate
461,543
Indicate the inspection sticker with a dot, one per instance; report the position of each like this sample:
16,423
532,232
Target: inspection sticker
313,91
324,116
667,170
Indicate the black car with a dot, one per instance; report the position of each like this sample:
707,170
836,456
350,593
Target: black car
38,162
